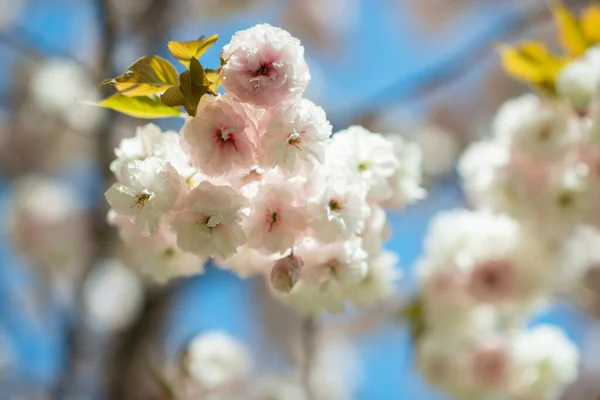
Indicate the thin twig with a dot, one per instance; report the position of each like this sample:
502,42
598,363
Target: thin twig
309,339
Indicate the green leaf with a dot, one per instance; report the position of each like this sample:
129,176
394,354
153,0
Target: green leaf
191,93
139,107
173,97
185,51
148,75
196,72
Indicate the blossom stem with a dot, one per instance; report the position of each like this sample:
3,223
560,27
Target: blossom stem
309,336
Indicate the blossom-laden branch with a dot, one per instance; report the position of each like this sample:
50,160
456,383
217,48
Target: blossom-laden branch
255,181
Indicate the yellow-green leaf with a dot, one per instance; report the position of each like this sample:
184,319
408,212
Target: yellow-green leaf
185,51
212,79
570,32
590,24
139,107
530,62
148,75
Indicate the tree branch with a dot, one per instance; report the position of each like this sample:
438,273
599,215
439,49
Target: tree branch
309,338
78,335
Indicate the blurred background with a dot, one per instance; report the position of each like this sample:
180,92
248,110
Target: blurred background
75,323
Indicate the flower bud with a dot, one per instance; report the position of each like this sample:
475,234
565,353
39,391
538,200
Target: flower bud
286,272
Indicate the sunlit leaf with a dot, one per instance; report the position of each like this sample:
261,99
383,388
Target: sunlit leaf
148,75
531,62
139,107
185,51
173,97
570,32
212,78
590,24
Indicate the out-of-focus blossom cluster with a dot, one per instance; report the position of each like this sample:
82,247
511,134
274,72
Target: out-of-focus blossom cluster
257,181
536,185
482,276
541,164
218,366
51,90
48,225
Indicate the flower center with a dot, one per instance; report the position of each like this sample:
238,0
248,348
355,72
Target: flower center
335,205
168,253
490,278
565,200
224,137
333,265
294,140
141,199
274,219
363,166
210,221
545,133
262,70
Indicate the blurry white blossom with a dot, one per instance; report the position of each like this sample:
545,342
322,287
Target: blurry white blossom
439,150
545,361
47,224
59,85
579,81
112,296
215,359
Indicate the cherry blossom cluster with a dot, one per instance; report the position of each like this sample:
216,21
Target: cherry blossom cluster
482,275
536,185
542,163
257,181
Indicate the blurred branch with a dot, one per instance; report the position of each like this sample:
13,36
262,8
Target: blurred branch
78,336
430,80
309,338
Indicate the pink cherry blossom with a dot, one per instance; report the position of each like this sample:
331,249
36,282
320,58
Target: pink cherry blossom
211,221
277,218
150,141
222,137
493,281
343,263
147,192
369,156
491,364
266,66
158,256
295,134
340,210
